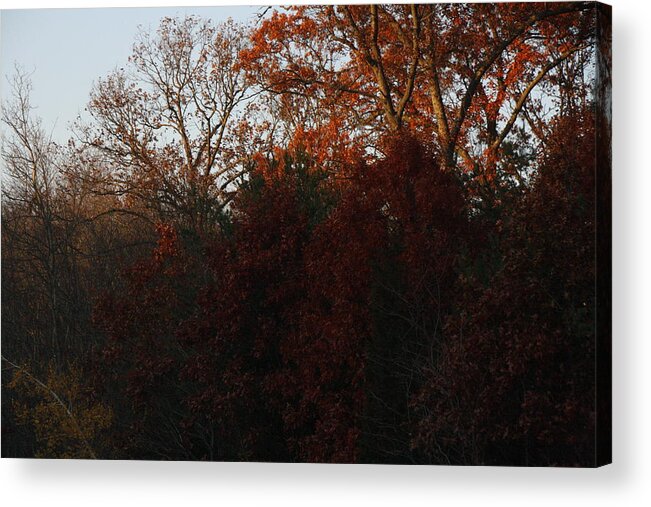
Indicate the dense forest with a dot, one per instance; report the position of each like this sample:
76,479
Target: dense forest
336,234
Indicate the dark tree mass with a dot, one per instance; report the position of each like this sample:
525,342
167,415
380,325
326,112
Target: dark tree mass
344,234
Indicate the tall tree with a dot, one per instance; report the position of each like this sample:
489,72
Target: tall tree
515,381
168,123
36,241
428,68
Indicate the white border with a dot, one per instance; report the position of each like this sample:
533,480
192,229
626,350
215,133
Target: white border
627,482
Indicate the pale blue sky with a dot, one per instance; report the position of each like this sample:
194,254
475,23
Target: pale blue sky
68,49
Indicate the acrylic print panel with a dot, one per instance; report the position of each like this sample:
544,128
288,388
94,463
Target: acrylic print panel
342,234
